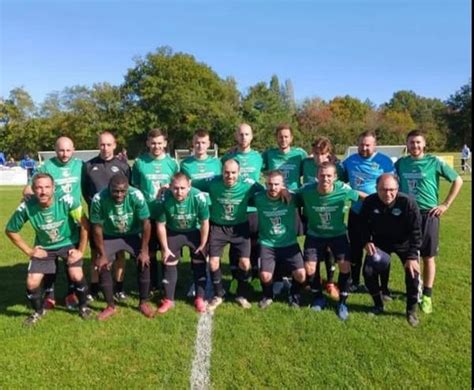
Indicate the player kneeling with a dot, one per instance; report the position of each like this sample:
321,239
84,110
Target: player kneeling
120,219
277,238
183,220
54,220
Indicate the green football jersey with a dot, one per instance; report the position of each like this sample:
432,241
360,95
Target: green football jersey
420,178
182,216
250,163
120,219
229,204
310,171
291,164
325,212
149,174
201,171
276,221
55,226
67,177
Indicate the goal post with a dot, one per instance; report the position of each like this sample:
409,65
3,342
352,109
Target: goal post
181,154
84,155
392,151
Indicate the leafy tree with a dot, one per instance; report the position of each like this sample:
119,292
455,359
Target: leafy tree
459,116
175,92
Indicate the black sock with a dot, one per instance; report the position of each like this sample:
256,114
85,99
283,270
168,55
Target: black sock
200,279
154,273
80,288
71,288
118,287
343,283
48,285
384,277
243,283
267,289
216,277
169,281
106,283
315,284
427,291
94,288
295,289
378,300
34,296
143,279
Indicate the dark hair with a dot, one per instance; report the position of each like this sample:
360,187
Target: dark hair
416,133
275,172
283,126
323,145
153,133
117,180
201,133
367,133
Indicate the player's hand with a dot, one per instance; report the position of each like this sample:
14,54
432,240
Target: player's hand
27,197
39,252
167,256
101,262
144,259
162,190
200,250
370,248
413,266
438,211
74,255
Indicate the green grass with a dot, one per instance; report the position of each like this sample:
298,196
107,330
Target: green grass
275,348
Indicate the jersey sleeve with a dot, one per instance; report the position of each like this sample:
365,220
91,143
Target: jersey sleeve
141,205
351,194
18,219
444,170
203,206
96,210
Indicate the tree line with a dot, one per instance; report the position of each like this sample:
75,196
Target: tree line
175,92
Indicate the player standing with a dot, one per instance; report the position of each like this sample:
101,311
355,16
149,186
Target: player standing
419,175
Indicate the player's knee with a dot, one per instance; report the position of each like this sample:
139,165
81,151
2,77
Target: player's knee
310,267
214,264
299,275
344,266
244,264
266,277
33,281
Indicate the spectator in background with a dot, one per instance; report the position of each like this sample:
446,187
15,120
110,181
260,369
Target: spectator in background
29,164
2,158
11,163
465,155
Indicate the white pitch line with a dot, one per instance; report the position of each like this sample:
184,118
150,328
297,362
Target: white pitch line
200,372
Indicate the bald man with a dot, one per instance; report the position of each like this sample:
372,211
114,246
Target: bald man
97,174
230,195
66,171
391,222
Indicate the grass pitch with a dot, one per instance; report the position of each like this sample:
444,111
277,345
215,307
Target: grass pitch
274,348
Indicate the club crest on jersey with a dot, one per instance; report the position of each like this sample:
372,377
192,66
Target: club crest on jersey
114,169
396,212
374,166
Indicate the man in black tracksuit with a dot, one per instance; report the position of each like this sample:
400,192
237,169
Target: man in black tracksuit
391,222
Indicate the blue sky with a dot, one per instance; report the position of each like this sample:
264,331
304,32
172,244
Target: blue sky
366,49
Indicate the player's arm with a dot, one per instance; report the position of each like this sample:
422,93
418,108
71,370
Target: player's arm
144,256
18,241
166,254
98,236
204,231
452,194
